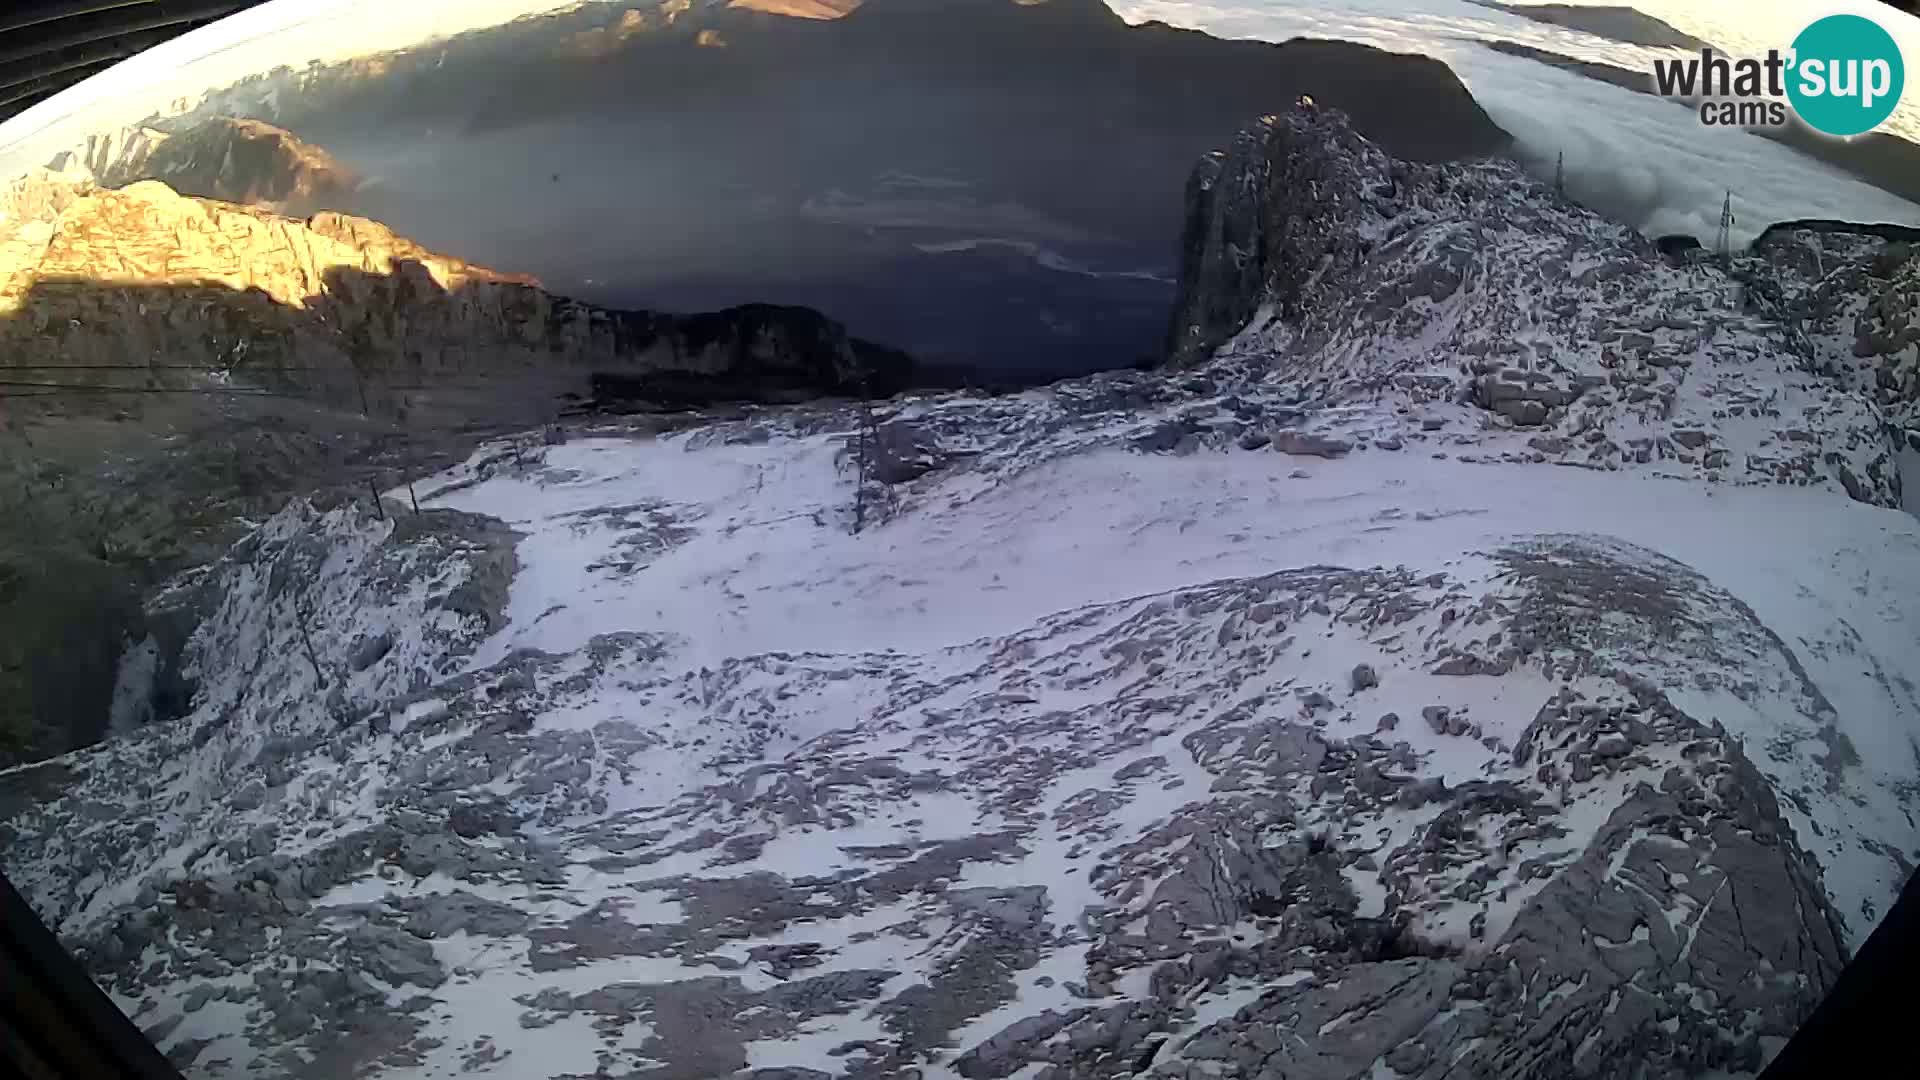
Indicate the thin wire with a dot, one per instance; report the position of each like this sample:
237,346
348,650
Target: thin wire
7,366
71,386
54,389
160,367
100,390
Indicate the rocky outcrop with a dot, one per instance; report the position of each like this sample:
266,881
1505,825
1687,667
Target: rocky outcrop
1361,280
115,302
344,309
1289,206
1851,293
1778,235
232,160
65,617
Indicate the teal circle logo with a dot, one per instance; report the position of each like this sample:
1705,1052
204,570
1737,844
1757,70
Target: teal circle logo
1847,75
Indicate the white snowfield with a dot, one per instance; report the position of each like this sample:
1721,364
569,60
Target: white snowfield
772,569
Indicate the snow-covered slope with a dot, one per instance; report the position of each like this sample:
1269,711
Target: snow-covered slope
1251,719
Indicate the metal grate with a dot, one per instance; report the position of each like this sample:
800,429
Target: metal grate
48,45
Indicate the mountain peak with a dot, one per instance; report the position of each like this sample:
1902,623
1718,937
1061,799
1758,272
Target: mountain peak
236,160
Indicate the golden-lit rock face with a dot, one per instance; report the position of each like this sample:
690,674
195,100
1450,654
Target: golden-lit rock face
94,276
602,41
148,234
98,281
607,40
800,9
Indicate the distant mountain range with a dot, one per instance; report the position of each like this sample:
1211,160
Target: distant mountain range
233,160
676,156
145,288
1622,24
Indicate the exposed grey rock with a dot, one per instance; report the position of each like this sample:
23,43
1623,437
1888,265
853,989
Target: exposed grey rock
442,914
905,451
1268,836
1267,218
1007,1050
1612,744
261,842
370,651
394,956
158,1033
1306,444
1162,439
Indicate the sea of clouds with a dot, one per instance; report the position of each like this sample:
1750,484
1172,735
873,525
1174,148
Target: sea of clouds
1644,160
1647,161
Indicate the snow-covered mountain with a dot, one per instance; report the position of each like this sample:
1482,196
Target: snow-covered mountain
1492,656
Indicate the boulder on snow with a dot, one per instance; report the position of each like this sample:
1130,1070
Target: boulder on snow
903,451
1307,444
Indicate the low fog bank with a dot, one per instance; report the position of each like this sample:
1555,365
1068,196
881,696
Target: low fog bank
957,257
1640,159
1651,163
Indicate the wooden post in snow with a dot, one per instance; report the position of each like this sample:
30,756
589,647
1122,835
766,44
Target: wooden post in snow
300,618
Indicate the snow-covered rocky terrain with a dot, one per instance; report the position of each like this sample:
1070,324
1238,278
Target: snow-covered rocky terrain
1492,655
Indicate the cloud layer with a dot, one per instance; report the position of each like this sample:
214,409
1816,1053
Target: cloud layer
1644,160
1647,161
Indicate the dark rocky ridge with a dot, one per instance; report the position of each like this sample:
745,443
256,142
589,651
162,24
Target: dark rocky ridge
1622,24
1278,212
1889,232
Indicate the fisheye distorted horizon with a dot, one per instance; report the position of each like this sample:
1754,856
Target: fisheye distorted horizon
1640,160
958,540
